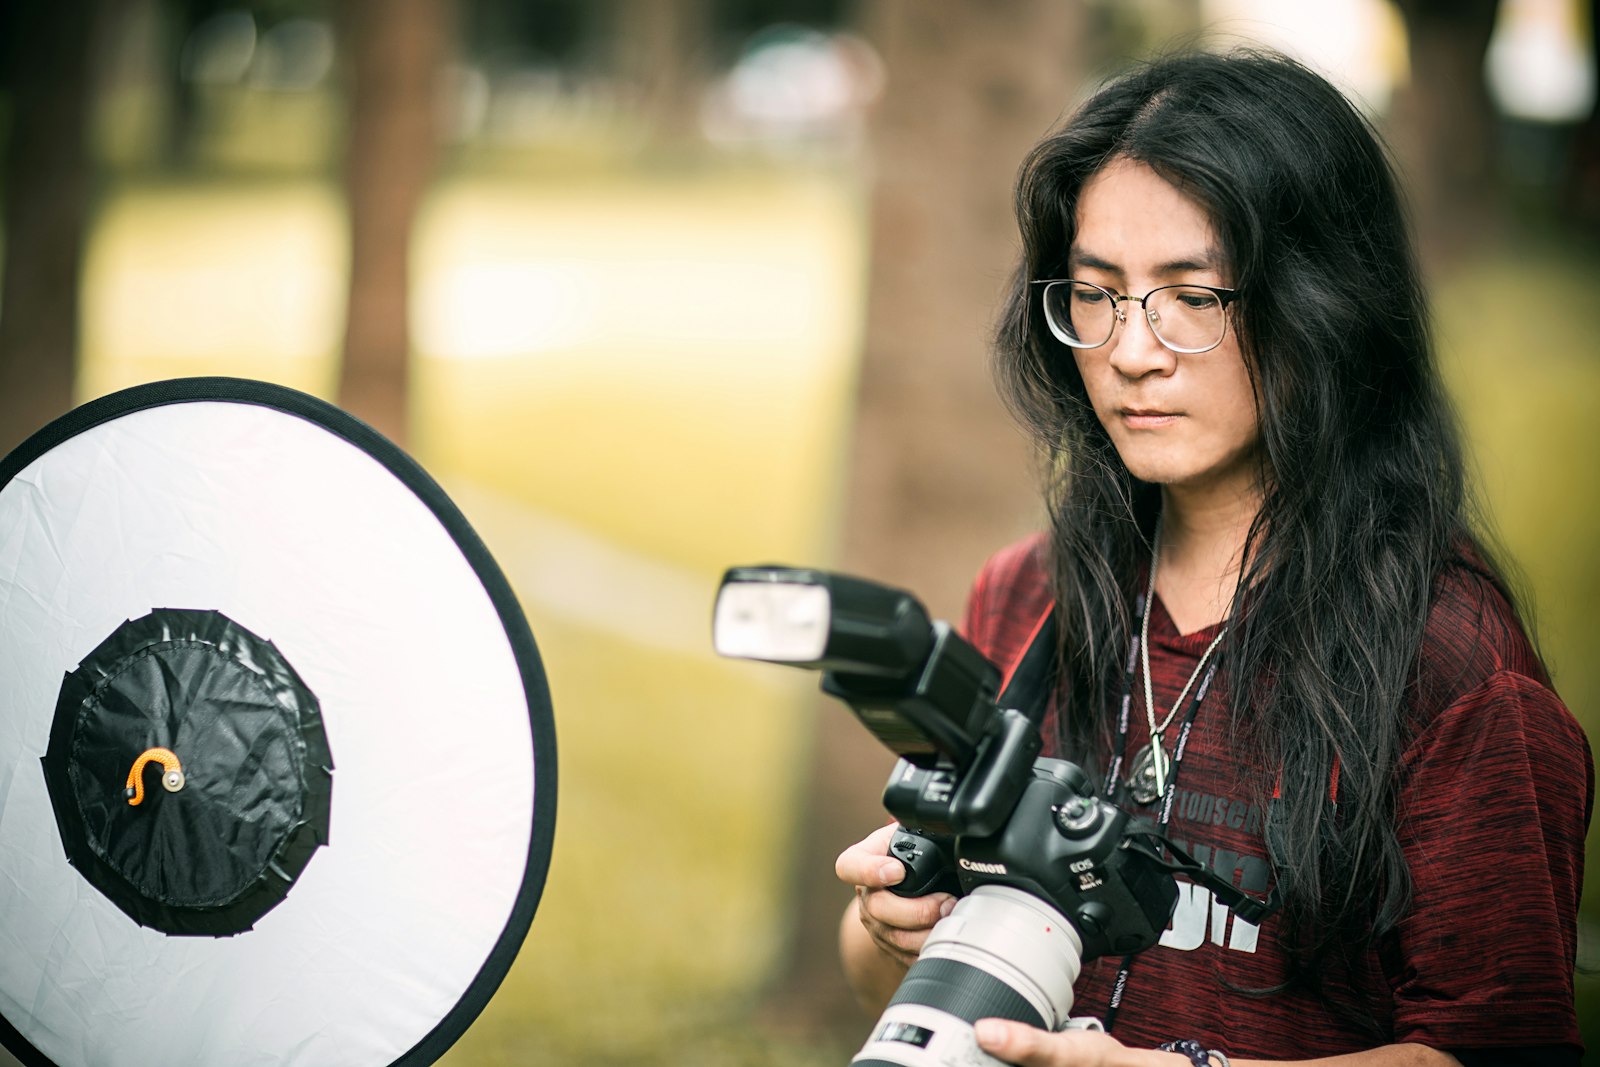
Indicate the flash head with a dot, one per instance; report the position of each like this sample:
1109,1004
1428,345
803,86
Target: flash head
829,622
922,690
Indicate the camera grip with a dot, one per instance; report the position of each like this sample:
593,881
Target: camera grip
928,862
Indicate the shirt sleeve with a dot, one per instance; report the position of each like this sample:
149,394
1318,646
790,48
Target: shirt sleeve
1493,801
974,620
1007,598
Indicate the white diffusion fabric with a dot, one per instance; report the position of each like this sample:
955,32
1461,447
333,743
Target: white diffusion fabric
309,542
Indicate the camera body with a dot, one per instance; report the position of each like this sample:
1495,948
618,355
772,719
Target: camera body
1061,844
1047,874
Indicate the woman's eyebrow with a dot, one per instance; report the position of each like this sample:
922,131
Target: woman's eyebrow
1077,258
1201,261
1207,260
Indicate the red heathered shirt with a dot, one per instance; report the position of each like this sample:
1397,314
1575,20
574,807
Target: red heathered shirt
1495,794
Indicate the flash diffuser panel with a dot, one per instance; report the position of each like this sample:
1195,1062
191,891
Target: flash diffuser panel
267,591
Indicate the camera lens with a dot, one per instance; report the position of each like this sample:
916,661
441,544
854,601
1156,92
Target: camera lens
1001,953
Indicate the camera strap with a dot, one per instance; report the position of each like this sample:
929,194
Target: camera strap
1150,839
1150,843
1033,679
1029,689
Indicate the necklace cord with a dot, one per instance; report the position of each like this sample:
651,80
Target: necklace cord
1158,754
1166,789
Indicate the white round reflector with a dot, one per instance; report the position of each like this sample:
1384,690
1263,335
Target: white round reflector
256,615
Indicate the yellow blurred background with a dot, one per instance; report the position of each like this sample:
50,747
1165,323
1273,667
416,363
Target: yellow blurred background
637,322
620,420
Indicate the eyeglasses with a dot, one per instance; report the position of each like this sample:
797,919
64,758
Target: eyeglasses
1184,318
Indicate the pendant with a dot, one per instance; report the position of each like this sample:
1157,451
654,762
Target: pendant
1146,780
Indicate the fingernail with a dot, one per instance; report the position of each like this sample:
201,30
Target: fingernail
891,872
947,907
991,1033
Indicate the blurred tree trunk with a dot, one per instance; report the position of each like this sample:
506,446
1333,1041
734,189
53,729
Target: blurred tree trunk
941,475
46,68
659,52
179,144
1444,125
1581,183
395,49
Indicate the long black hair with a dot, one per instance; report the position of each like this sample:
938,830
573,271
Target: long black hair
1365,499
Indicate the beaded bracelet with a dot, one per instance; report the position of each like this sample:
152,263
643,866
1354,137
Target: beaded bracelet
1198,1054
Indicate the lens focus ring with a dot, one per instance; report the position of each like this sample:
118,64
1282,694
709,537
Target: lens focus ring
964,991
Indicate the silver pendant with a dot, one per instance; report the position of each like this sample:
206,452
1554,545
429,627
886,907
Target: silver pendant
1146,780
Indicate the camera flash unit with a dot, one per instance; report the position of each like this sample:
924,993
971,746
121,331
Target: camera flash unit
776,621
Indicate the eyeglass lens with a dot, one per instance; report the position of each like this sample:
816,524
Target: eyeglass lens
1184,317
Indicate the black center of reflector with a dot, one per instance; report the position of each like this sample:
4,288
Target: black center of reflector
223,849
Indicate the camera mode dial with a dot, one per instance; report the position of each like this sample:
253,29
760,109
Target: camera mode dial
1077,817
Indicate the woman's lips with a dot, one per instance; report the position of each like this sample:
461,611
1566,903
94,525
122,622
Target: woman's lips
1147,418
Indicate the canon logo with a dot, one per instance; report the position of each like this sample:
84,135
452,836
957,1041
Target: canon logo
982,868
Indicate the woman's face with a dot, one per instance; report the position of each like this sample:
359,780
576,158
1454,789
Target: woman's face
1184,421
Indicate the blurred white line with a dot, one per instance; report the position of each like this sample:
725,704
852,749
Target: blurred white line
558,568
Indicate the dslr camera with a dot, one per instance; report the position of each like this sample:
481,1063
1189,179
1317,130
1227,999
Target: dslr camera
1047,875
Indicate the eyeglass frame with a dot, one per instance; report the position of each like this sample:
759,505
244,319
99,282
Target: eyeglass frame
1225,296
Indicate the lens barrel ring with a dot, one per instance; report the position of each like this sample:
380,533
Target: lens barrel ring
967,992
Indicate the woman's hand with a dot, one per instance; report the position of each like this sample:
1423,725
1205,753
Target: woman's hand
1025,1046
898,926
1028,1047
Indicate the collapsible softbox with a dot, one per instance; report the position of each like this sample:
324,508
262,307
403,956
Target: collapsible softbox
277,762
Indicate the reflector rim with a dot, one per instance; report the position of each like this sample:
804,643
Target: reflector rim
530,666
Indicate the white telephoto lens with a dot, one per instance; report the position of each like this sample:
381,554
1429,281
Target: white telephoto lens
915,1035
1017,938
785,622
1002,952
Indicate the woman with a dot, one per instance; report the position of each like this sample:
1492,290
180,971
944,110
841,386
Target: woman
1260,545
